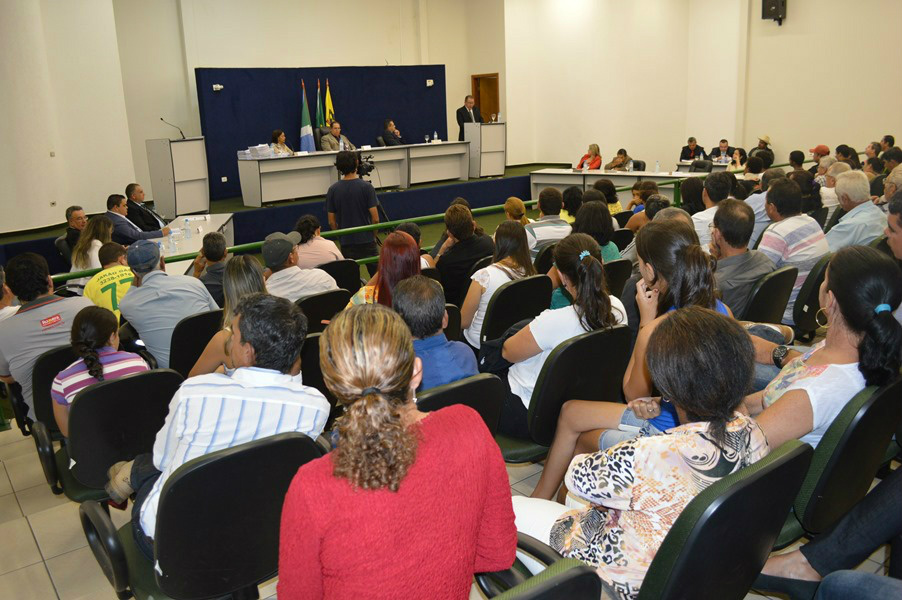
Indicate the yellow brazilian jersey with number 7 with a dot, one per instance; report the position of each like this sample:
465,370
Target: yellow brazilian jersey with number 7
107,288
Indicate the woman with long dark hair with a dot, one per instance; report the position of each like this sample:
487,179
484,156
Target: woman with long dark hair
609,193
314,250
435,482
573,199
398,260
95,340
86,253
510,261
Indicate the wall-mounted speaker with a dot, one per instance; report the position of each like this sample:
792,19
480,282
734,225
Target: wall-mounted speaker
773,10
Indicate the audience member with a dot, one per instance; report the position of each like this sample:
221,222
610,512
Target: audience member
138,212
398,260
351,202
692,151
811,191
578,260
287,279
413,230
794,239
421,303
848,154
515,210
863,222
650,480
477,230
817,153
739,159
76,220
42,322
829,197
156,301
621,162
314,250
642,191
6,298
653,204
591,159
335,141
716,189
796,158
394,469
691,192
872,150
823,164
753,168
390,134
263,396
744,188
511,261
462,249
723,152
107,288
210,264
758,200
243,277
887,142
738,267
124,231
763,152
609,192
892,185
95,340
892,158
861,290
96,233
873,167
550,227
572,199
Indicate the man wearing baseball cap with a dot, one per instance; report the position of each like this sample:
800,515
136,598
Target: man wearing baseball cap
157,301
287,279
817,153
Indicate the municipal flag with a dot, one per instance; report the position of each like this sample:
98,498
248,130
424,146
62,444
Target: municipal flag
306,130
320,115
330,111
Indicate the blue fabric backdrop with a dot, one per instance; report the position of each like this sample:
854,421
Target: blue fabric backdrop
254,102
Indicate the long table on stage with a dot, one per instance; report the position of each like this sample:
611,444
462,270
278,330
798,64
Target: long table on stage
564,178
273,179
219,222
683,166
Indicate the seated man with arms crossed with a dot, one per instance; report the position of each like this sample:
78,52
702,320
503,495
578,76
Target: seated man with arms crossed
287,279
209,266
263,396
421,303
107,288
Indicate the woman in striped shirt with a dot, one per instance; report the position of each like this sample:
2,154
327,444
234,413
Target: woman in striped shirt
95,339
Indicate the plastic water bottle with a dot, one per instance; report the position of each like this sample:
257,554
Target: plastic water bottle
187,229
434,135
657,166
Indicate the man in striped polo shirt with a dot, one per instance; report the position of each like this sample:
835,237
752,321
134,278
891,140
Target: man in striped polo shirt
550,227
262,397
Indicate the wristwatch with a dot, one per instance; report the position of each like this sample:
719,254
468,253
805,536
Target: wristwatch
778,355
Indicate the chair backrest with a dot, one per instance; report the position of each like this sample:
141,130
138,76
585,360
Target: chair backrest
311,374
622,238
483,393
769,296
322,307
117,420
453,331
848,456
318,133
63,248
808,301
623,216
545,259
724,535
218,520
480,264
883,245
638,165
514,301
47,366
565,376
616,272
820,215
431,273
701,166
838,213
346,273
189,338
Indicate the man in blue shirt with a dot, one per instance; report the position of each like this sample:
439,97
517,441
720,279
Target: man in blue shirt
863,222
421,303
351,202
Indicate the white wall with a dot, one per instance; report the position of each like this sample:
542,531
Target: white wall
62,93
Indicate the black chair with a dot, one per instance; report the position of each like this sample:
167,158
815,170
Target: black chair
623,217
770,295
47,366
189,338
318,133
820,215
760,237
483,393
453,331
480,264
110,421
217,528
20,409
514,301
701,166
622,238
838,213
431,273
311,373
616,272
882,245
380,141
346,273
804,311
545,259
724,535
638,165
322,307
63,248
565,376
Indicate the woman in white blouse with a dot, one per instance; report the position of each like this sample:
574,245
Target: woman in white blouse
85,254
511,261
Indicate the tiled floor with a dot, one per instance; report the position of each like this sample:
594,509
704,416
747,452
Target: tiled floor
44,552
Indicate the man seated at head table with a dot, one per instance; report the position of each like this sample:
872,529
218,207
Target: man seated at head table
692,151
390,134
723,152
334,141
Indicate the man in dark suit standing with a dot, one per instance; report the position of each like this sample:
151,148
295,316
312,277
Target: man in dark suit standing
138,213
692,151
390,134
468,113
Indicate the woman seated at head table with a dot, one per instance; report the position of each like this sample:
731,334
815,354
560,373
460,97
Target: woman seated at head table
739,159
591,160
409,504
635,490
278,143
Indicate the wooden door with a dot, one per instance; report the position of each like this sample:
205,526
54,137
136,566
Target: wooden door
485,92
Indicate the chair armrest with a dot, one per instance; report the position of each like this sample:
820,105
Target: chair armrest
44,444
324,444
538,550
104,542
494,584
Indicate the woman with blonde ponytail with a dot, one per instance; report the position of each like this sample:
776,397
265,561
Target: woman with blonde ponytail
409,504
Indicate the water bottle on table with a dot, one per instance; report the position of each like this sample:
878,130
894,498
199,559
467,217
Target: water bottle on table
187,229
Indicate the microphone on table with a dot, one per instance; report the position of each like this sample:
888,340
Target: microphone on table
176,126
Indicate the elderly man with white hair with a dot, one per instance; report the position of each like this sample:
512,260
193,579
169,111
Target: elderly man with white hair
863,221
823,163
828,188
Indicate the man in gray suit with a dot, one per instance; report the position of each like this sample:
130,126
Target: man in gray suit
334,141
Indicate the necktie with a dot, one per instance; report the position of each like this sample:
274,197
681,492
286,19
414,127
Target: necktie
472,118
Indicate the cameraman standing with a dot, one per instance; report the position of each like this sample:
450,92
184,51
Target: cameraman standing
351,202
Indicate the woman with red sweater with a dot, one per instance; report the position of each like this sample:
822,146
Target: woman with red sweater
592,159
410,504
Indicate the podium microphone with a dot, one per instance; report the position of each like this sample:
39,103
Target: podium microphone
176,126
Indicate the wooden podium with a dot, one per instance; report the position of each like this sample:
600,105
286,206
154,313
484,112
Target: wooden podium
178,176
488,148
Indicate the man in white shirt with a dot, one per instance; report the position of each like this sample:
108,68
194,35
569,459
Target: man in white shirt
550,227
864,221
717,188
287,279
262,397
758,200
